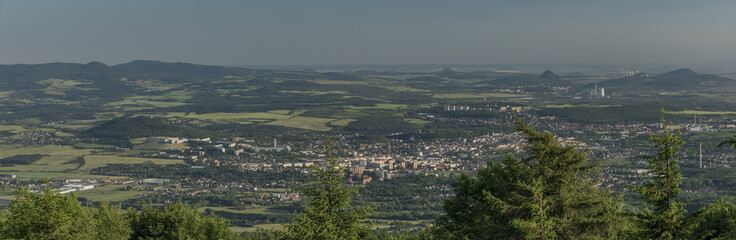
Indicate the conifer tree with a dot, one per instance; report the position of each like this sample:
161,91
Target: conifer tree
667,216
716,221
550,193
540,225
177,221
51,215
328,214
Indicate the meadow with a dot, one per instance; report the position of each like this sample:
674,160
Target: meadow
109,193
701,112
96,161
476,95
311,123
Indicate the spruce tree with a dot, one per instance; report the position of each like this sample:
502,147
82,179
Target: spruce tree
666,218
540,225
550,193
716,221
177,221
51,215
328,214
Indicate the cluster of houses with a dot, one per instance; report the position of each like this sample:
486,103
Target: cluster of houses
224,146
485,108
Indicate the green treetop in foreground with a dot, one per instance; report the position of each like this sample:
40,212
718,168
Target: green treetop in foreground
50,215
548,194
667,217
327,214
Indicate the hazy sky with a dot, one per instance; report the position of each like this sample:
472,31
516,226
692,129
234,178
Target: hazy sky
367,32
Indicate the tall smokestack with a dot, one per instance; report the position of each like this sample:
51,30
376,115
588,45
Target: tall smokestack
701,155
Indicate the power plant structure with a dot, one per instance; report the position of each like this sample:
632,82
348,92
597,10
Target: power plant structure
597,92
629,73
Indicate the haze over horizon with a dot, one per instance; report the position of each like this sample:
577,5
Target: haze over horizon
375,32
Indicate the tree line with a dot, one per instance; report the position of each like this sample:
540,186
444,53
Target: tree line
549,191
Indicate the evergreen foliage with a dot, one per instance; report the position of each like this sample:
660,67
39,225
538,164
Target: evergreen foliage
328,214
548,194
666,218
51,215
177,221
716,221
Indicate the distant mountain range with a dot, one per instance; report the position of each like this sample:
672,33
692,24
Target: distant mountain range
100,81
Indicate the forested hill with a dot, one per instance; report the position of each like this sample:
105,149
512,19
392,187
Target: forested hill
683,79
24,75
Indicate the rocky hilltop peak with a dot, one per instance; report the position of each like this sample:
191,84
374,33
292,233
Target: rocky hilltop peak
550,75
682,72
447,70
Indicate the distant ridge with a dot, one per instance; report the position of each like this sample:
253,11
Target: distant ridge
682,72
447,70
683,79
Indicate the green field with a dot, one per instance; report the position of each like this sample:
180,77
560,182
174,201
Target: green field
109,193
51,150
342,122
68,126
96,161
403,89
272,226
390,106
415,120
230,116
92,146
282,112
5,94
59,86
578,105
155,104
338,82
176,95
161,146
701,112
40,175
311,123
476,95
316,92
12,128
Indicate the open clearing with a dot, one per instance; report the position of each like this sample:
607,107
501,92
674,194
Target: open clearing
477,95
403,89
109,193
700,112
311,123
580,105
12,128
317,92
230,116
52,150
342,122
415,120
96,161
338,82
5,94
157,104
382,106
56,159
271,226
162,146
